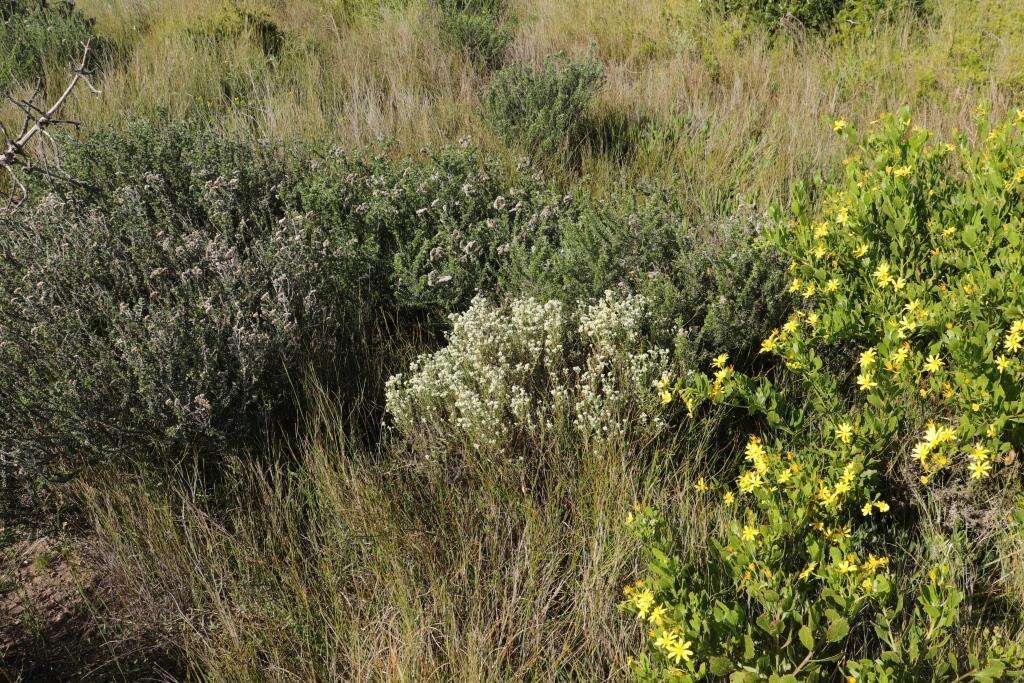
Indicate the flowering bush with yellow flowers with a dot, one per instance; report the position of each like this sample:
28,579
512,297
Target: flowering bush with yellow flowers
899,377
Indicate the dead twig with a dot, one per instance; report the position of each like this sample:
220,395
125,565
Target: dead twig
14,157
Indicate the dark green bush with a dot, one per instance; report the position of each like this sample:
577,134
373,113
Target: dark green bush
480,28
544,110
716,285
483,37
34,34
235,19
446,225
815,14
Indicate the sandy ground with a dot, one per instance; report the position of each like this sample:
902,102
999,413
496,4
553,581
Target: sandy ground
49,630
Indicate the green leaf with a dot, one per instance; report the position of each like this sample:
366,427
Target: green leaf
837,629
720,666
807,638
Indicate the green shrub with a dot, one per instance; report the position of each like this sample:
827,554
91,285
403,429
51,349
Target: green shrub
446,225
235,19
170,307
875,484
34,35
814,14
544,110
481,29
717,287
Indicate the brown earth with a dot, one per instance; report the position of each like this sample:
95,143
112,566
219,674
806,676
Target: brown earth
49,627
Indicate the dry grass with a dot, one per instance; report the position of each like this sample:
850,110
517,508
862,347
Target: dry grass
721,110
359,567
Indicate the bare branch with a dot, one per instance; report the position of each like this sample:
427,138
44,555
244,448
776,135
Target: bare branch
36,122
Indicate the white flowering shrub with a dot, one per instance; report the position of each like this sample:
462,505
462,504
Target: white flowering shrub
530,371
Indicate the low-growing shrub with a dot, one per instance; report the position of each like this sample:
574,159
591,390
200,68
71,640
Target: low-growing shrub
717,287
814,14
528,371
544,110
168,308
481,29
875,484
445,225
234,19
35,35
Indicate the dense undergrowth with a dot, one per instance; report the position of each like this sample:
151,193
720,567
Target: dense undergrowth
517,340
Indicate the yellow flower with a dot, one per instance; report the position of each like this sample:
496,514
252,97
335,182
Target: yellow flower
832,285
796,285
748,481
701,485
663,640
666,397
979,469
1002,362
838,125
657,615
643,601
866,382
873,563
978,452
866,510
679,650
846,566
882,506
809,290
806,573
868,357
933,364
729,498
882,274
721,360
860,250
770,344
844,432
901,171
749,533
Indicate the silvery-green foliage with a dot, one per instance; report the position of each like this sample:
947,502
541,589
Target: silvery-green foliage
530,371
171,309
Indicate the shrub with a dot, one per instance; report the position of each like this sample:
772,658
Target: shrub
719,286
169,310
234,19
480,29
544,110
814,14
513,374
446,224
170,307
915,262
34,35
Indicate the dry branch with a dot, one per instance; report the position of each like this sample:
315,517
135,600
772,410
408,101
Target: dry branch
15,157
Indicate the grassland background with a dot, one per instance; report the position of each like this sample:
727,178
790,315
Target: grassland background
349,564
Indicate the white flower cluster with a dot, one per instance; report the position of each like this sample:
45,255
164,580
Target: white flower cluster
523,372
